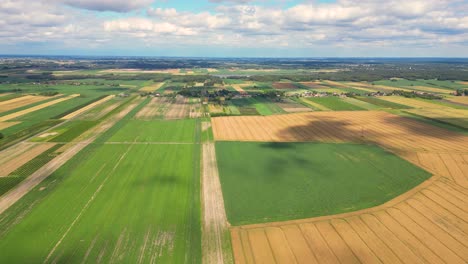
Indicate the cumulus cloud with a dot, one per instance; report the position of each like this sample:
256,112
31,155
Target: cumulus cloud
239,24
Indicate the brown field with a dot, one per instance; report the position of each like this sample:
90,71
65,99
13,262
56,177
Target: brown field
428,224
411,102
35,108
5,125
153,109
20,101
88,107
284,85
464,83
385,129
195,110
292,107
152,88
314,85
215,225
179,109
16,161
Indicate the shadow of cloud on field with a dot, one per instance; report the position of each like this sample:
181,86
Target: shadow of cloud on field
324,130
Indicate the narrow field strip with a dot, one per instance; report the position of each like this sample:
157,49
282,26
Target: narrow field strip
215,233
20,101
17,161
5,125
152,88
411,102
35,108
88,107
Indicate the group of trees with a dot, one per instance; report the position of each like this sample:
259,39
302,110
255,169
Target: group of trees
413,94
461,92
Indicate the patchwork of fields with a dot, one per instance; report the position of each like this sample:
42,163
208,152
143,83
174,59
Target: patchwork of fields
113,173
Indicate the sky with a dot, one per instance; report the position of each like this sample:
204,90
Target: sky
235,28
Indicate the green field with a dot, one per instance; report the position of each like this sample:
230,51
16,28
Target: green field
382,103
264,182
113,201
156,131
335,103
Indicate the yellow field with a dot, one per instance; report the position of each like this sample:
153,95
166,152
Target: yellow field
35,108
453,116
240,86
429,224
20,101
88,107
152,88
433,90
4,125
458,99
315,105
411,102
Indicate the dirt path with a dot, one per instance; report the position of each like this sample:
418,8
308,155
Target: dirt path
37,177
215,236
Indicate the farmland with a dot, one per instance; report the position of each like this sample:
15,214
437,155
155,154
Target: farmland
170,160
265,182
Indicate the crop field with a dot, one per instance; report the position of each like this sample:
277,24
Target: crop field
152,214
313,85
284,85
424,225
200,160
385,129
360,103
152,87
459,99
455,117
382,103
265,182
414,103
156,131
87,108
19,102
334,103
290,106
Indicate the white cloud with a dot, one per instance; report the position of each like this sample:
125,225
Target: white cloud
344,24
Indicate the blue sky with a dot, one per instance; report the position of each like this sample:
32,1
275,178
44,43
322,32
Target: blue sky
241,28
